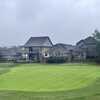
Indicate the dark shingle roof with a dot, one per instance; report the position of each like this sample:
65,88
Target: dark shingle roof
10,51
88,40
38,42
65,46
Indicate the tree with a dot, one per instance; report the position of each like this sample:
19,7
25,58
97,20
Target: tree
96,35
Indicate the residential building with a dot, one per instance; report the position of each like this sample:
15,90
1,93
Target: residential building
69,52
37,48
88,48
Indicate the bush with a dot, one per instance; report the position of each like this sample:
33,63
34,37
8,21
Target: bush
98,60
56,60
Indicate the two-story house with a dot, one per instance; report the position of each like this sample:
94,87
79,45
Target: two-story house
37,48
88,48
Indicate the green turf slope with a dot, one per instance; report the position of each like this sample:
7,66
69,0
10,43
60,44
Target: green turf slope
50,82
44,78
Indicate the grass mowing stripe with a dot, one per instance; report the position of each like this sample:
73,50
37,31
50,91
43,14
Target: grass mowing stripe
43,78
50,82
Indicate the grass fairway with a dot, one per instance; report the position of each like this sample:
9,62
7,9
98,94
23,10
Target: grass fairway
49,82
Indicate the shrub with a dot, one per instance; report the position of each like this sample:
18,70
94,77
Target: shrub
56,60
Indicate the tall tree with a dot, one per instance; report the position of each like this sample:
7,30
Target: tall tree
96,35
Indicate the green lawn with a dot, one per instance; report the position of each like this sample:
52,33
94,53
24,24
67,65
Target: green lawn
49,82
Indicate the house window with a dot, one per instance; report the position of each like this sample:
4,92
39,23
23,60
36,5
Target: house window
46,54
30,49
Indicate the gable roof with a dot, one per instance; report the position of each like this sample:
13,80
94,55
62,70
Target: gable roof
39,42
10,51
66,47
88,40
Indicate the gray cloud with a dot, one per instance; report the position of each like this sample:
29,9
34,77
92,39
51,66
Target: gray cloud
63,20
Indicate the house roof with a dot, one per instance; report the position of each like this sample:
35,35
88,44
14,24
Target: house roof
88,40
65,46
10,51
39,42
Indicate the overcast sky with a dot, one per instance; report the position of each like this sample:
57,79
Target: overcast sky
65,21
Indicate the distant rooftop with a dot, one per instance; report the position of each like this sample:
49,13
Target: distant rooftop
39,42
88,40
65,46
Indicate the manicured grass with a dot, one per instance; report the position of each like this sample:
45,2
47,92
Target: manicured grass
49,82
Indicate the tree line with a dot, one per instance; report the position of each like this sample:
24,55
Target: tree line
96,35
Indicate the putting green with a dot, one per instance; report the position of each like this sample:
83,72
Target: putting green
48,77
